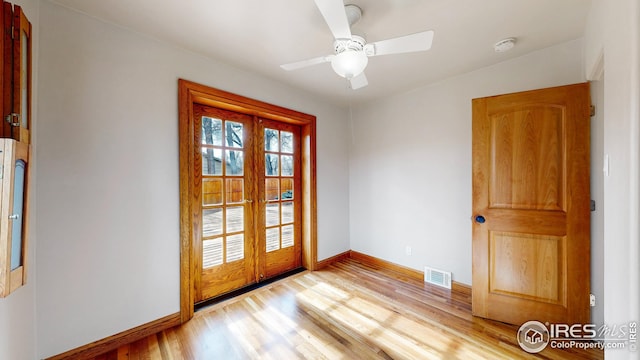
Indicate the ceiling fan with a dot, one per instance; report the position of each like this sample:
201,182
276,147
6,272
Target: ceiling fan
352,51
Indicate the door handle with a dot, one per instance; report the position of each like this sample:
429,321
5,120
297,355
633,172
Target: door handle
480,219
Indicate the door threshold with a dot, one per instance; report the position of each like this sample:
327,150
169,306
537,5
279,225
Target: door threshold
226,296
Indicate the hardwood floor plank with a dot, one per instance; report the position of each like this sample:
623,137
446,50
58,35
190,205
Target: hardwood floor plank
406,321
222,337
139,350
287,324
169,345
347,310
154,347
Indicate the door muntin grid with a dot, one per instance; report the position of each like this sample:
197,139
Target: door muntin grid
223,189
279,189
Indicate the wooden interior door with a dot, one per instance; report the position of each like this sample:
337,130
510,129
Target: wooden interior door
224,244
280,188
531,206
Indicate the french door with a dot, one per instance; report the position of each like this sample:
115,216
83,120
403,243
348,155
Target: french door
248,172
279,210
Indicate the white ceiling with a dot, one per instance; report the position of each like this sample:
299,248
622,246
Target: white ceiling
260,35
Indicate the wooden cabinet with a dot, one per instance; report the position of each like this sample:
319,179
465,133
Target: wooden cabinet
16,74
15,138
13,214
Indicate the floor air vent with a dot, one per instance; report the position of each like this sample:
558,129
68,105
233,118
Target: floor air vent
437,277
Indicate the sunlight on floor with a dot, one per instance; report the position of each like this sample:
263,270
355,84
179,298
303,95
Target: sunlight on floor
382,325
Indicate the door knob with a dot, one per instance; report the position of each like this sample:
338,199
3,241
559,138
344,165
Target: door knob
480,219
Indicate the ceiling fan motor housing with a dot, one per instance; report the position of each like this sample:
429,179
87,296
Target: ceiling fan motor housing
356,43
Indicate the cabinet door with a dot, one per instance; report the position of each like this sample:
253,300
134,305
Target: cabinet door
6,68
13,214
15,76
21,122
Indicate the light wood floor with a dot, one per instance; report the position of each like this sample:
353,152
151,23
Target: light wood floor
345,311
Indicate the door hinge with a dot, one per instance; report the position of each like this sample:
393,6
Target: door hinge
13,119
593,205
592,111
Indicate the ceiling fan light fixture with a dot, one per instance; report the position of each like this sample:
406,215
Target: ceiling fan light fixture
349,63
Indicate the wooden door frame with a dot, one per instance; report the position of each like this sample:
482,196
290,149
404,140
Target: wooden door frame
190,93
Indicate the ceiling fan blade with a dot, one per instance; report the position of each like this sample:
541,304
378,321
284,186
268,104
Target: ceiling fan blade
410,43
335,16
309,62
359,81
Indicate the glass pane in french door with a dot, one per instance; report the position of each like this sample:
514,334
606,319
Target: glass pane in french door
226,239
281,210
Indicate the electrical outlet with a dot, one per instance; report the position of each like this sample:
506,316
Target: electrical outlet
592,300
408,250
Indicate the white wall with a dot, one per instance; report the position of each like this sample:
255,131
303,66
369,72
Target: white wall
410,181
614,35
597,194
17,311
594,71
107,157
